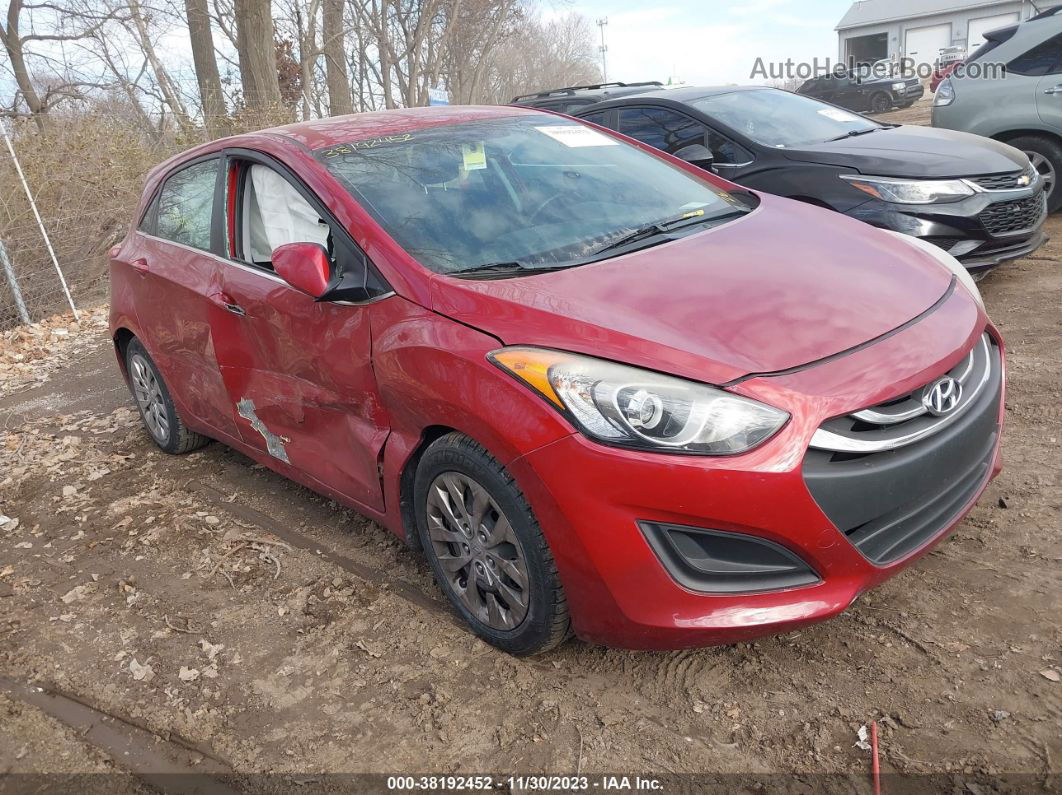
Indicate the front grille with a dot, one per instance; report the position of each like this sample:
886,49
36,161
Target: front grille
892,502
1008,181
1020,215
906,419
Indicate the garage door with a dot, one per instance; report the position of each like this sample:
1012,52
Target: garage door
978,28
923,45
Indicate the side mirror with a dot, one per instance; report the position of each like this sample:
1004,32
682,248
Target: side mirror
305,266
697,155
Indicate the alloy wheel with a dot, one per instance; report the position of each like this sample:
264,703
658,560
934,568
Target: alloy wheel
1045,169
482,560
148,394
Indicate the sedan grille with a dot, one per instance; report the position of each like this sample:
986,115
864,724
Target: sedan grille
1021,215
1008,181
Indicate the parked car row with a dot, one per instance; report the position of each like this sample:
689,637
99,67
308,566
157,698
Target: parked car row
978,199
603,390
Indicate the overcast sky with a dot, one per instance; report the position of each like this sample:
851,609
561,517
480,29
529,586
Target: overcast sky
707,42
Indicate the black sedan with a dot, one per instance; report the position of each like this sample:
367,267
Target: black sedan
978,199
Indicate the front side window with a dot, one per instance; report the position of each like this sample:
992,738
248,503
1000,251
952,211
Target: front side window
186,205
274,214
726,152
780,119
1043,59
660,128
535,190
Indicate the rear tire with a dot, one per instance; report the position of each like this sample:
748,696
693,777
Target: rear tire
153,400
1046,157
486,549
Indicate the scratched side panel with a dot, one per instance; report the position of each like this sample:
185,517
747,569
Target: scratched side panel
300,374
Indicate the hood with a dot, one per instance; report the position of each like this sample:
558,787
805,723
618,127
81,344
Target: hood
913,151
783,286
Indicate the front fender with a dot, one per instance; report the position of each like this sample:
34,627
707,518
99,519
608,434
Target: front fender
433,372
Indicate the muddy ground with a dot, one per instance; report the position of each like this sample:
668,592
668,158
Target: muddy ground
202,613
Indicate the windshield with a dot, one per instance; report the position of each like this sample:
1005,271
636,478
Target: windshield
780,119
536,190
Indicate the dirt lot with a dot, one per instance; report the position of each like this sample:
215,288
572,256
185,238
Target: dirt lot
202,614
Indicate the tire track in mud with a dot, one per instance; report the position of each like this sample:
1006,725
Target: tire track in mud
168,763
386,582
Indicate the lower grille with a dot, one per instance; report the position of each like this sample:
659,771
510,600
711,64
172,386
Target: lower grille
889,504
1020,215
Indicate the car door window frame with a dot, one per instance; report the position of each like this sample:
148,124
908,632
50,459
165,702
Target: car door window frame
149,221
373,283
669,109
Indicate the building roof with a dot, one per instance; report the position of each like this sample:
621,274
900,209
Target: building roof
874,12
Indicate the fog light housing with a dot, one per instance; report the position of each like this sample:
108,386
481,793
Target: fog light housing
711,561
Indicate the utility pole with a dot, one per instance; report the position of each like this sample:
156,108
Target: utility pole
604,48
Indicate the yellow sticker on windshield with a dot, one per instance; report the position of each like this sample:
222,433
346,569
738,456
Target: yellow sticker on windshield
475,156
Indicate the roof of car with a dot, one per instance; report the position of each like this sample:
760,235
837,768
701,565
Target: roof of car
685,93
319,133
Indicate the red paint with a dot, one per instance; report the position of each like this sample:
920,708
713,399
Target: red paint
352,390
304,266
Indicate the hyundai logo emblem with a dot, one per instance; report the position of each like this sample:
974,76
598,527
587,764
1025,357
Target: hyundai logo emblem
942,396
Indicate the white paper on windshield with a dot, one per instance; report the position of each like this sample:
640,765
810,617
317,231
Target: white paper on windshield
839,115
576,135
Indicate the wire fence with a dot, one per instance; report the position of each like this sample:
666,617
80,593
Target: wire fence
65,199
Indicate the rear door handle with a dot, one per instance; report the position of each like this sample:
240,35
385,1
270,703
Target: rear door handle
1054,89
223,300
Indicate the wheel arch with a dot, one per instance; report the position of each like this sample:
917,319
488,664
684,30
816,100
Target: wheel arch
121,338
405,482
1010,135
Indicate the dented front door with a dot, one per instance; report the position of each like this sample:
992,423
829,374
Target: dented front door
300,379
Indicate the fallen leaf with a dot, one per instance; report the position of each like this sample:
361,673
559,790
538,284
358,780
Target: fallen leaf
1051,674
188,674
141,673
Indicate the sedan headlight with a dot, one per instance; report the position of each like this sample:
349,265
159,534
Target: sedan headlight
899,86
640,409
911,191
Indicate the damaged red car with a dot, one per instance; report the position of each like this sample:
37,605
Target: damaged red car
601,391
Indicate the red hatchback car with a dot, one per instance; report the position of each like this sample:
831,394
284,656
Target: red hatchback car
601,390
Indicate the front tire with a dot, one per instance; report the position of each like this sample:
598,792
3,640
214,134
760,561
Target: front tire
486,549
880,103
160,416
1046,157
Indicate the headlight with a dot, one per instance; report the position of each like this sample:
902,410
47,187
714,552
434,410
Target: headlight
899,86
945,93
640,409
948,261
911,191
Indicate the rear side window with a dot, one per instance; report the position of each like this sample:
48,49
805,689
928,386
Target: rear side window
186,205
660,128
595,118
1043,59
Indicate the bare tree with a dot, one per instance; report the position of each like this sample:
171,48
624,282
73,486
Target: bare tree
257,54
206,65
340,101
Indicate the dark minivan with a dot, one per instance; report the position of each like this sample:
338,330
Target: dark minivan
979,200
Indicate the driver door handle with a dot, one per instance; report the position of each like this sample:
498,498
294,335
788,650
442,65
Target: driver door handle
1054,89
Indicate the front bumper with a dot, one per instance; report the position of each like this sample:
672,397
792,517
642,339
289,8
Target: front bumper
590,500
965,228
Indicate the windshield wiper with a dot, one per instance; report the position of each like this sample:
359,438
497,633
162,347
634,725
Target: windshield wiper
663,227
501,270
854,133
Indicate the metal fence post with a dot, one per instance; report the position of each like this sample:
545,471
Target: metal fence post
12,282
40,223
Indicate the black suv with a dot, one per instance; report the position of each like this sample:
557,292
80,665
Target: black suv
868,89
575,98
